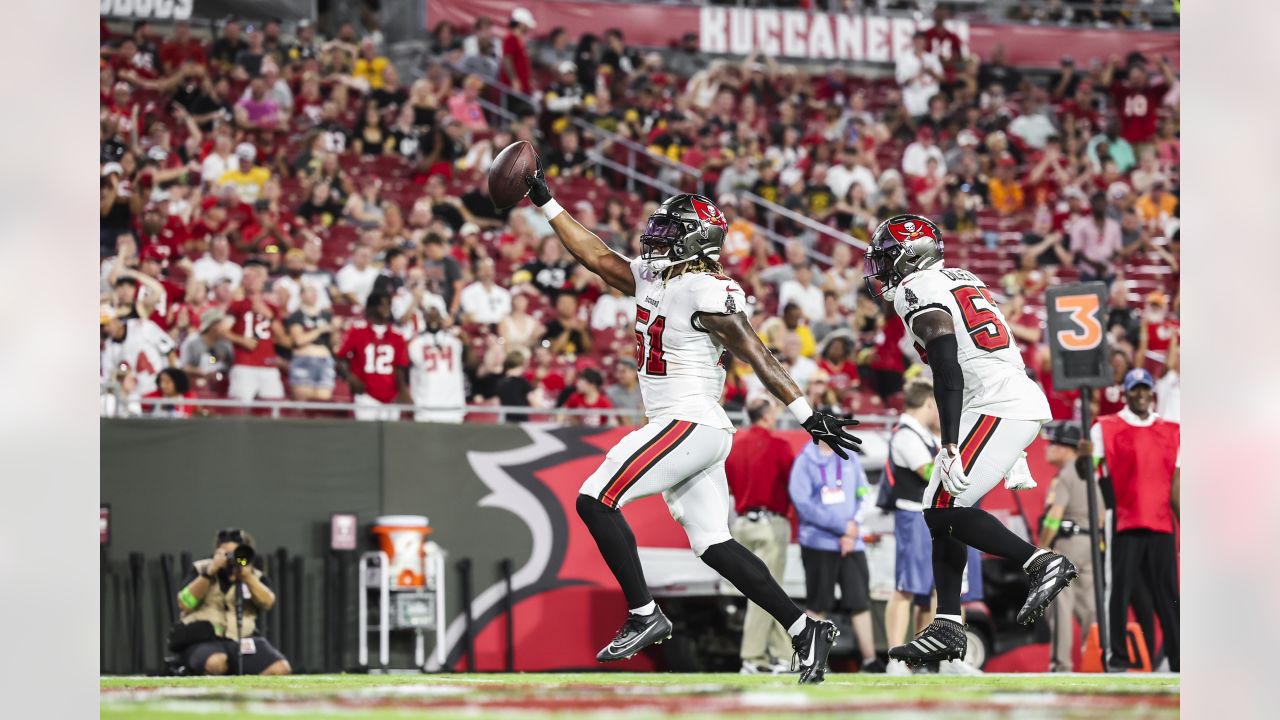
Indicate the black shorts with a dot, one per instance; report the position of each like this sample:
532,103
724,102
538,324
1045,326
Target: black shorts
263,657
824,569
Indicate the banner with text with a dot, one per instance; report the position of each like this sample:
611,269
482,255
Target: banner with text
173,10
800,35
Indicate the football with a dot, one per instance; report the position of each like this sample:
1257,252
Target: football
506,175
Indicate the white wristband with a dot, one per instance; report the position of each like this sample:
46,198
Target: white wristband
800,409
551,209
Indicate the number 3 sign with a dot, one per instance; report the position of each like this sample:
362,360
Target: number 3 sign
1077,335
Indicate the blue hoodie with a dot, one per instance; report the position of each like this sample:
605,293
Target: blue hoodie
821,524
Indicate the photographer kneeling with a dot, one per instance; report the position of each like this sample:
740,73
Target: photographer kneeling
211,636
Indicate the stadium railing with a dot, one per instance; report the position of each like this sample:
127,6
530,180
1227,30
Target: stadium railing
276,409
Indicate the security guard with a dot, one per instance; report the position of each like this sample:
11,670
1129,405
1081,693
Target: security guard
1066,523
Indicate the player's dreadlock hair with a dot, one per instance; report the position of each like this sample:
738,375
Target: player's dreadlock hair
700,264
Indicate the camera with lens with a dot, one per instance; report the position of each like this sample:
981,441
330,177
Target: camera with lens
243,555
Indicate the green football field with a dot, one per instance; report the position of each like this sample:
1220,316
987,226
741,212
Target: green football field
634,696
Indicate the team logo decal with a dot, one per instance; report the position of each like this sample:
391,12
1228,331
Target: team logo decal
912,300
708,213
909,230
730,306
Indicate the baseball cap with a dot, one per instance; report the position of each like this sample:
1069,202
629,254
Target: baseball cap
246,151
154,252
112,167
1062,432
568,66
524,17
209,318
468,228
1136,377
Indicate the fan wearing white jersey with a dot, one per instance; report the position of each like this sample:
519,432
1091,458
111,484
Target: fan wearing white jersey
688,314
435,372
989,411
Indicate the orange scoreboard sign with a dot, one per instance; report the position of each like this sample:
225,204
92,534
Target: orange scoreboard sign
1077,324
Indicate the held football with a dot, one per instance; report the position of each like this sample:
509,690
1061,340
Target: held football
506,175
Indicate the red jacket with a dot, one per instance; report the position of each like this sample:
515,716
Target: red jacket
758,469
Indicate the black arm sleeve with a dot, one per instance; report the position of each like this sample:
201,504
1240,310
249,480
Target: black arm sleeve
948,384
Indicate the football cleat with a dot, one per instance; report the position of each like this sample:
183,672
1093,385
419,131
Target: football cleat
942,640
637,633
1050,574
812,647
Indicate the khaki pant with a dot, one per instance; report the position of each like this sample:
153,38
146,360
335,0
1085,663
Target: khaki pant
1076,601
762,637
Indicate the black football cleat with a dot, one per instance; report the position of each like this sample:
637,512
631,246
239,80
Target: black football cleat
1050,574
941,640
637,633
812,647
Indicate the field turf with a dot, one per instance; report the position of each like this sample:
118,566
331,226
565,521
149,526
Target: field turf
635,696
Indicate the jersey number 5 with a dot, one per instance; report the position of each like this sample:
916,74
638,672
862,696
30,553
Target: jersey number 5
984,325
650,362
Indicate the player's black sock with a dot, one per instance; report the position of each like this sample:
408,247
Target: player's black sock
978,528
749,574
617,546
949,558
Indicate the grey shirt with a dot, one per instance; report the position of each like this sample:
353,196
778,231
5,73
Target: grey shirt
196,353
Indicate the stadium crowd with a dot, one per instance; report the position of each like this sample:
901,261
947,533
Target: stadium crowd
263,191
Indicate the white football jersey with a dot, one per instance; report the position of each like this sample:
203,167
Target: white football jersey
144,350
995,380
680,366
435,377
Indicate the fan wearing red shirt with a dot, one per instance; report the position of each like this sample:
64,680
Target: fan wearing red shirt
1138,100
374,359
181,48
516,70
253,326
587,395
837,363
1158,330
942,42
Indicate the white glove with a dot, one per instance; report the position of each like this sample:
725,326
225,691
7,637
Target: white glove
1019,476
951,469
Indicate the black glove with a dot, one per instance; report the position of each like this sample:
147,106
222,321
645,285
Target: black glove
539,193
830,429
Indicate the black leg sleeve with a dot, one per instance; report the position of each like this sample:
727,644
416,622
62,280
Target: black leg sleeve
749,574
618,548
978,528
949,558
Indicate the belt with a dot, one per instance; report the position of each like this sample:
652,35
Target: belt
1071,528
758,514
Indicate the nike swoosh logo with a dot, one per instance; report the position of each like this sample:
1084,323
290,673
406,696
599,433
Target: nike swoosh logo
813,647
615,646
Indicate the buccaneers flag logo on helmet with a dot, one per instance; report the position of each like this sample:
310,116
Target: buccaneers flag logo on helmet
708,213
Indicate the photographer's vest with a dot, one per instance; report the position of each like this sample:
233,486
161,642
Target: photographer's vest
908,487
219,607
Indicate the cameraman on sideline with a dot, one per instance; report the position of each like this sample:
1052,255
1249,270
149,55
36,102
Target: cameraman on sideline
208,643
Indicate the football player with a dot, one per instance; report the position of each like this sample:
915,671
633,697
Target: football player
688,314
989,411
